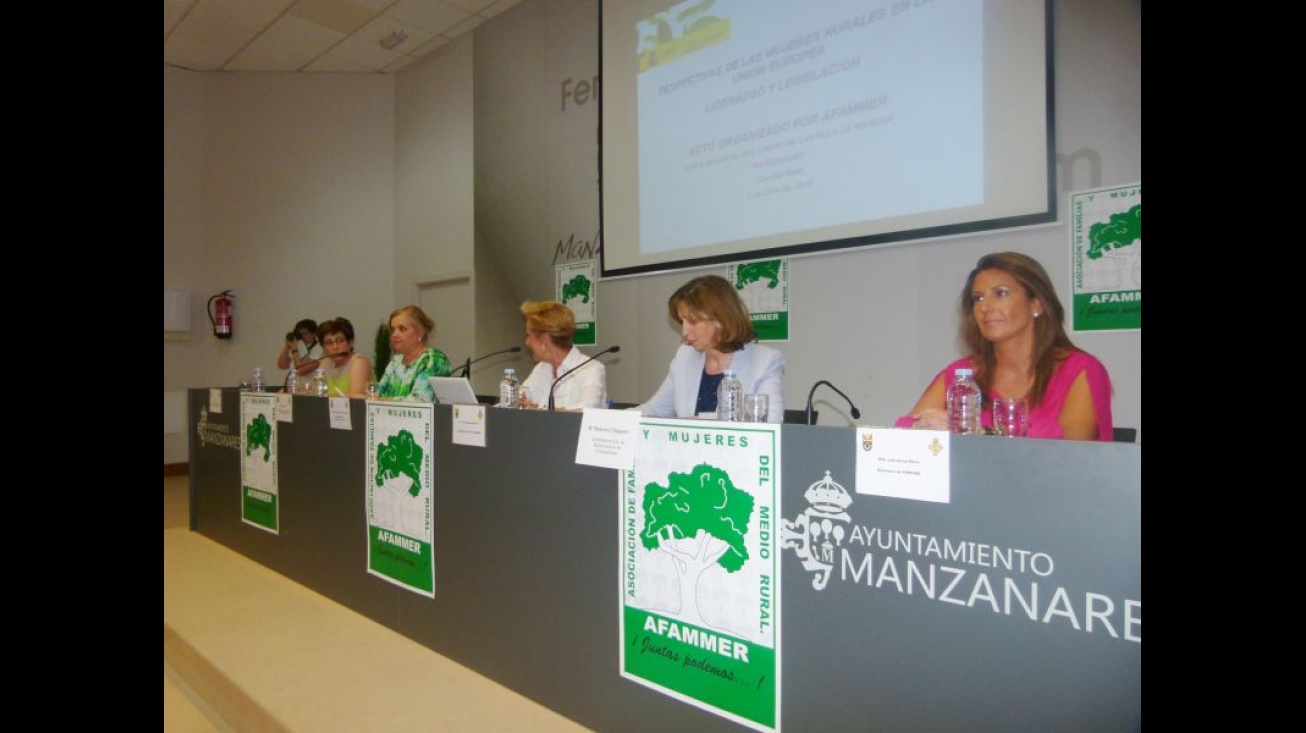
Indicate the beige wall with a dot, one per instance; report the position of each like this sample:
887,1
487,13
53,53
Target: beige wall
281,188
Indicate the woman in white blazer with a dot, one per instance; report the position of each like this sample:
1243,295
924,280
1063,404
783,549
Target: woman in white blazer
717,335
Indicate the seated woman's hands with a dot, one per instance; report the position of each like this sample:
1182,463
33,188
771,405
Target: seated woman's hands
931,418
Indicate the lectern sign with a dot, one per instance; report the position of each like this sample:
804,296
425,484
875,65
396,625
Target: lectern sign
398,490
700,573
259,504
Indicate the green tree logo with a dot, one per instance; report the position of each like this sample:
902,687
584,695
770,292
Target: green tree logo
258,434
400,455
756,272
1123,229
577,287
700,519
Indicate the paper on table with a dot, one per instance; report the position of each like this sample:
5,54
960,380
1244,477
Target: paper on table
469,425
904,464
607,438
338,407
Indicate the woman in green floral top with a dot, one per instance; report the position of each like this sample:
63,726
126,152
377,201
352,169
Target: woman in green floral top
406,376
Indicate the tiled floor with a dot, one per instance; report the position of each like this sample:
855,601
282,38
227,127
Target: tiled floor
260,652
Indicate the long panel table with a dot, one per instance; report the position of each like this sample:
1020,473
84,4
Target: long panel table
1015,606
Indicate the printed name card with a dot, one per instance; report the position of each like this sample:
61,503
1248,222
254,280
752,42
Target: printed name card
607,438
904,464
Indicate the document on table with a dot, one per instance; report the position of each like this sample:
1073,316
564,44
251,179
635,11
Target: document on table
339,411
469,425
904,464
607,438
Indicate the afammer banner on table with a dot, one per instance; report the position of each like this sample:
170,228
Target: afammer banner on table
700,570
400,515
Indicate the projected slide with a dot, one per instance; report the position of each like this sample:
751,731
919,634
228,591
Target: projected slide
754,129
762,116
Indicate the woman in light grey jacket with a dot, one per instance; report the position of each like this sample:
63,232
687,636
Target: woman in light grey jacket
717,335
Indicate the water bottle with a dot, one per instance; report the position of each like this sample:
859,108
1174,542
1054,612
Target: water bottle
509,389
964,404
292,381
256,380
319,382
730,398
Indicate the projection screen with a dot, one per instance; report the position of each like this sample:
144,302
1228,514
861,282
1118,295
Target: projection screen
745,129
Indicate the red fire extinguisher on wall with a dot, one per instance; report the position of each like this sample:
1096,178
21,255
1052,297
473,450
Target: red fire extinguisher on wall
220,314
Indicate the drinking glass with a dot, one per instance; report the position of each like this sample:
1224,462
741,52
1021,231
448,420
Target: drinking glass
373,390
756,407
1011,417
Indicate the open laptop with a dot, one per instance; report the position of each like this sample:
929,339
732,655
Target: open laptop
453,390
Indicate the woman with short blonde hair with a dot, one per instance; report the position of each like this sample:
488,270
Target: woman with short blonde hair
550,330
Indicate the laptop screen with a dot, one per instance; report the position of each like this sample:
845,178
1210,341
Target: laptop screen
453,390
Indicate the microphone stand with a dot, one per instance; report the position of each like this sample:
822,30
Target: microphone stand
467,365
852,409
569,372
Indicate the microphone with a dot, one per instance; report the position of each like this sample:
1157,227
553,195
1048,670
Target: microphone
852,409
569,372
467,365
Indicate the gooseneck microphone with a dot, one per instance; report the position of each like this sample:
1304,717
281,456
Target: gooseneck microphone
852,409
467,365
569,372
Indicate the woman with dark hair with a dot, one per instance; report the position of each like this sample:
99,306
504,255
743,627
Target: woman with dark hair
302,350
717,334
347,371
1013,324
550,330
407,376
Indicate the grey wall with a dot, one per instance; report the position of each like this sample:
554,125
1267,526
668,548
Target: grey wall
336,194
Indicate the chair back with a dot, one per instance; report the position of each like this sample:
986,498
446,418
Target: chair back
799,417
1124,435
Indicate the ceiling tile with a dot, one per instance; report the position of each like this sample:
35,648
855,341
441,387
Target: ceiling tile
333,61
340,15
213,31
246,14
173,10
465,27
303,33
311,35
384,25
289,44
363,53
496,8
195,55
433,15
471,6
429,46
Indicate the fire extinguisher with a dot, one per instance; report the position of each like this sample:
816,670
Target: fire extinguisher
220,314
